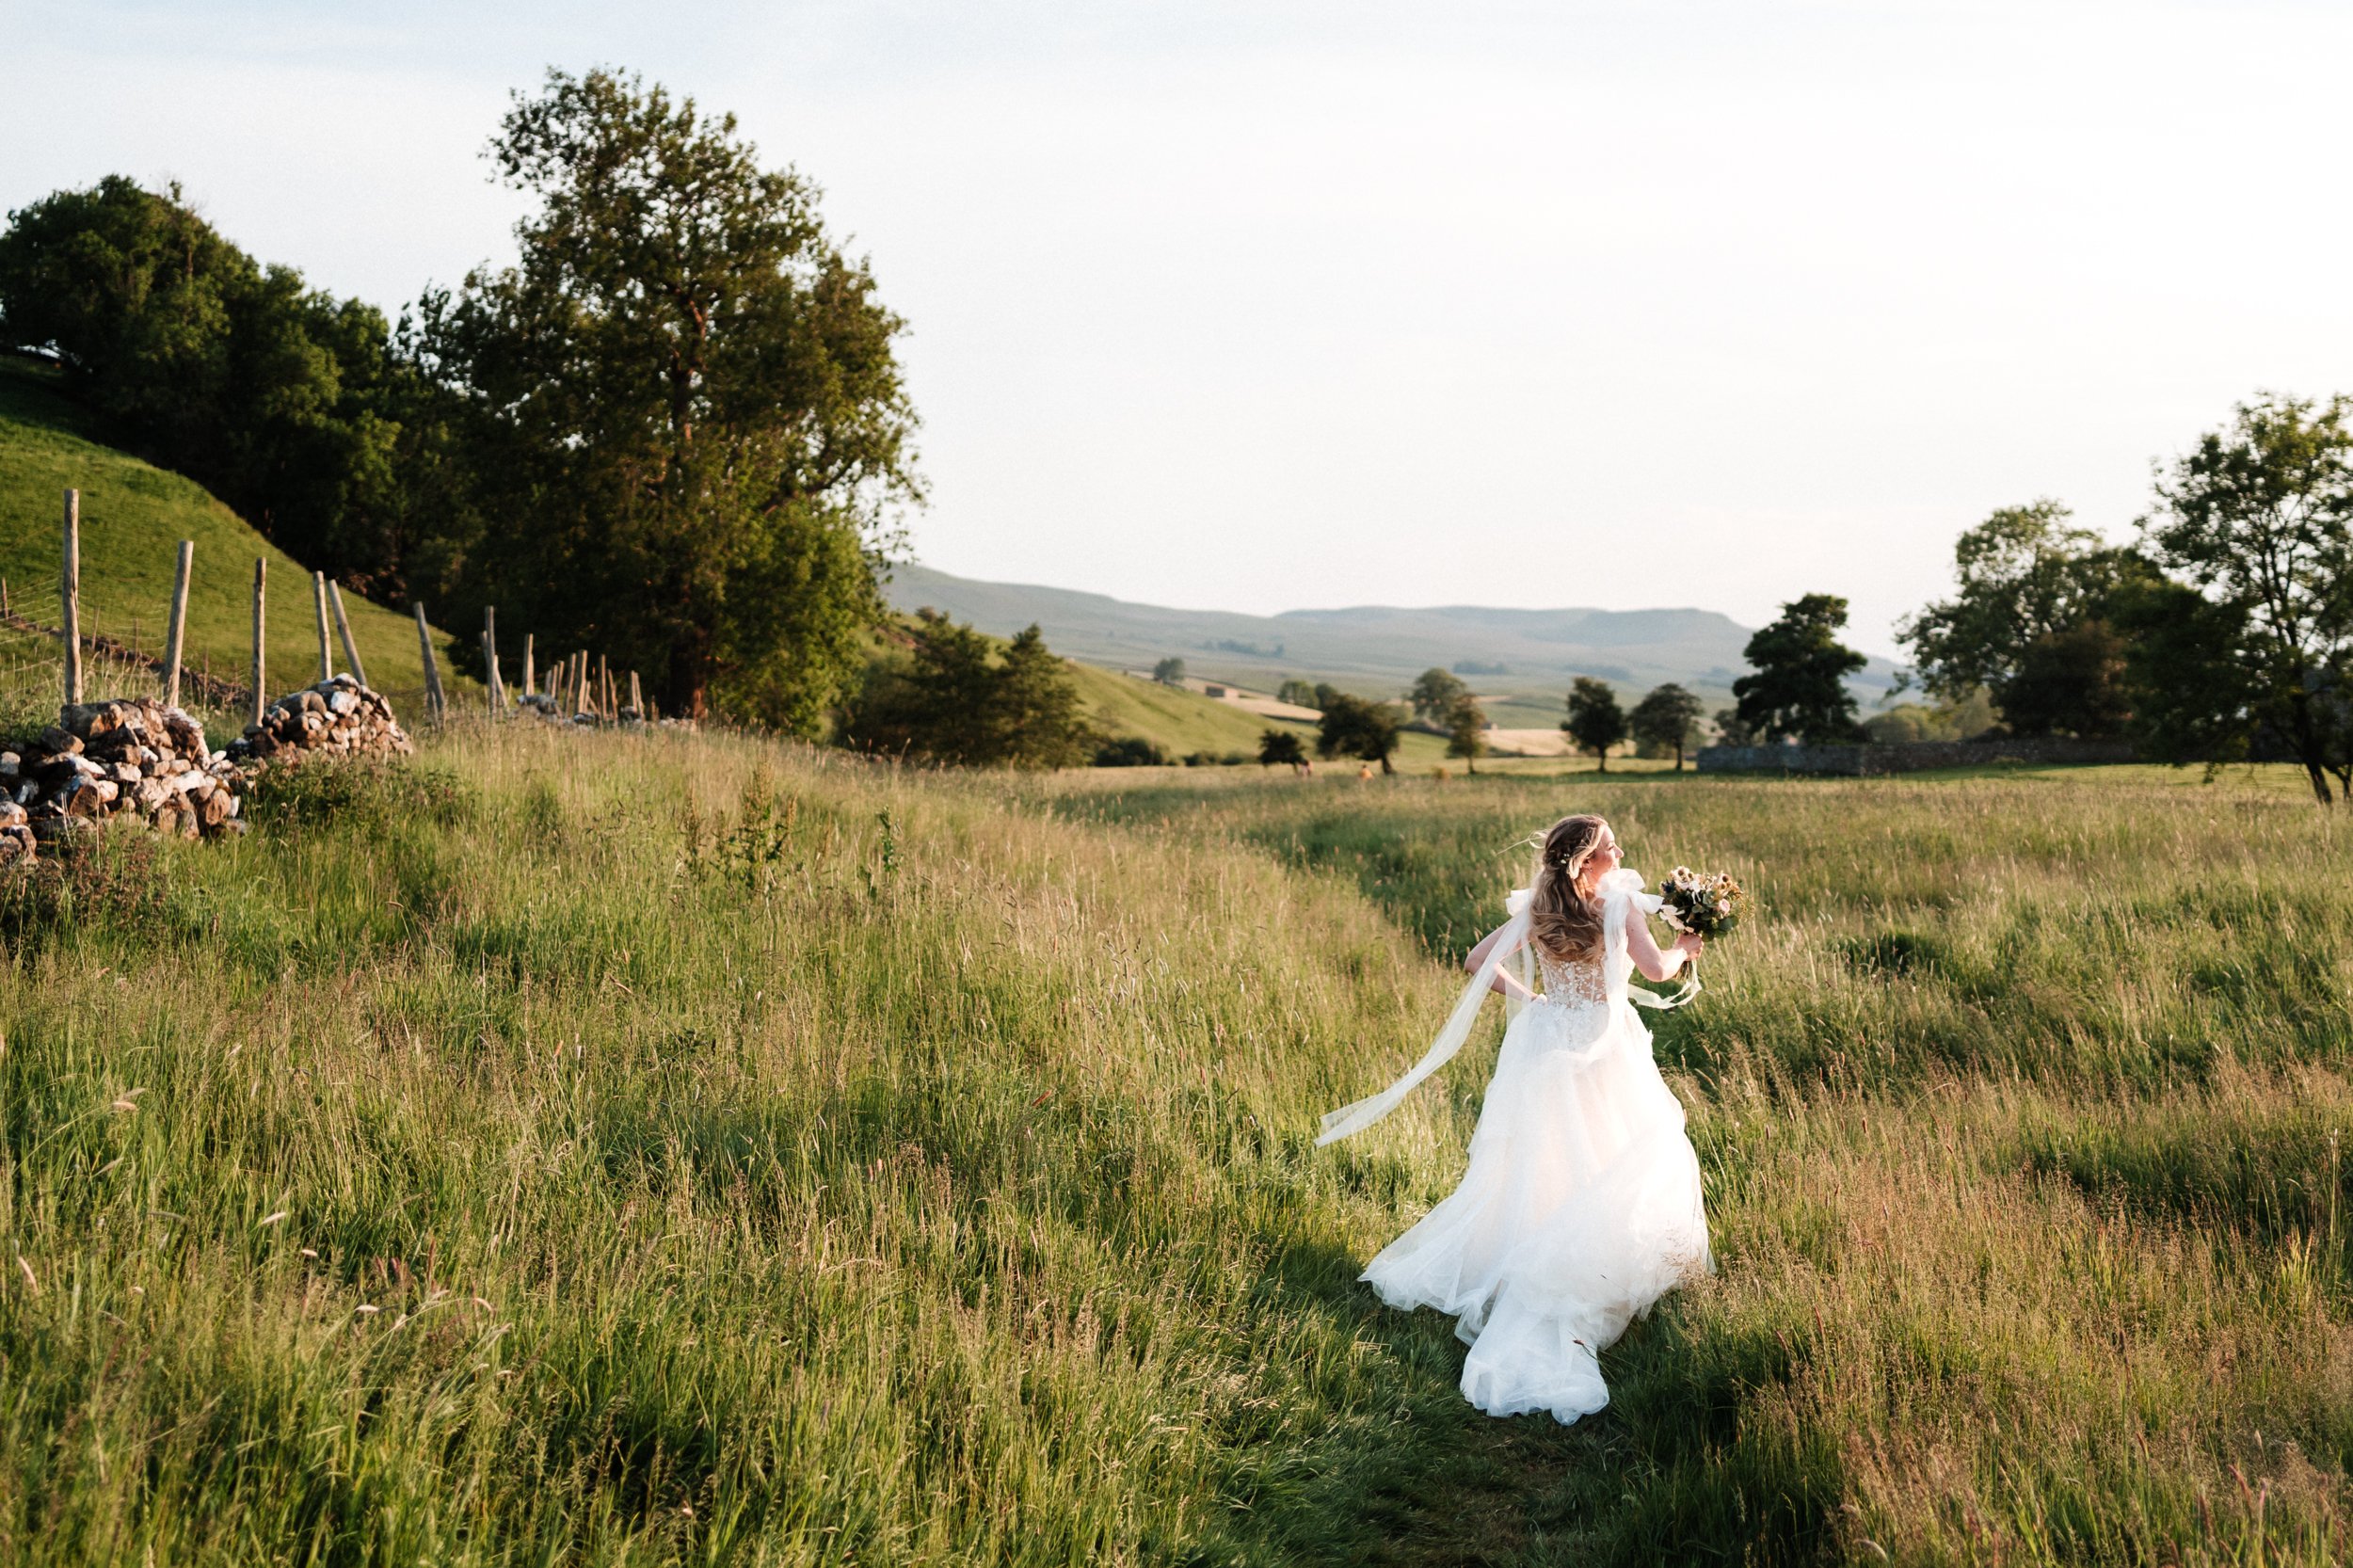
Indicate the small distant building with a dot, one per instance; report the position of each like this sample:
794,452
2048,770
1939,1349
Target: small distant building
1213,691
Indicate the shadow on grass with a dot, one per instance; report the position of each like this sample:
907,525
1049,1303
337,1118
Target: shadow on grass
1686,1464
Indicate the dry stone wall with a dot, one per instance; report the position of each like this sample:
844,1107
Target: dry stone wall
104,759
1857,760
136,757
337,717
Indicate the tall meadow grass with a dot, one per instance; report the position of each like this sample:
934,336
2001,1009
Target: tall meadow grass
662,1148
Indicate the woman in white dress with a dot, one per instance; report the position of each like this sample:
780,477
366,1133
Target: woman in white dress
1581,1203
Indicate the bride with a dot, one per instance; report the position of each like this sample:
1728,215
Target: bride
1581,1206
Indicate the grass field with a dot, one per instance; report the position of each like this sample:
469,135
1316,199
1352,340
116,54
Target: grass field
133,516
670,1149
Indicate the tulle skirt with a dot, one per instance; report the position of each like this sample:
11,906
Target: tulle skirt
1580,1208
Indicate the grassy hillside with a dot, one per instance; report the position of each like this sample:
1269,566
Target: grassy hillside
1185,722
133,518
664,1148
1179,720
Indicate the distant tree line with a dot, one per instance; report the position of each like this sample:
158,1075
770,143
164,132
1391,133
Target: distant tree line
674,430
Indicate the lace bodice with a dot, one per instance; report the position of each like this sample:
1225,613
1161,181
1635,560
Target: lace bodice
1572,983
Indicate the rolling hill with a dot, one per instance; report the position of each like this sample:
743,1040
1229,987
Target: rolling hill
134,515
1375,649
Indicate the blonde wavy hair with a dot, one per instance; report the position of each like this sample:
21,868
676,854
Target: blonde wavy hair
1563,919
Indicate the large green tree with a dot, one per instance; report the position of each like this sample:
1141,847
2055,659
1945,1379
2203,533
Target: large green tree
683,431
1352,727
2031,622
1039,719
956,697
1466,731
1596,721
283,401
2258,518
1667,717
1797,690
1280,745
1434,696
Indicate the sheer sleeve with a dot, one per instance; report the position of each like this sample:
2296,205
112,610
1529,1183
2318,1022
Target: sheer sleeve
1622,899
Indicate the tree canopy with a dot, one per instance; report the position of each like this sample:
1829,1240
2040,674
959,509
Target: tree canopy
682,431
955,698
1797,690
2256,520
1667,717
1279,746
1352,727
1467,730
283,401
2030,623
1434,696
1596,721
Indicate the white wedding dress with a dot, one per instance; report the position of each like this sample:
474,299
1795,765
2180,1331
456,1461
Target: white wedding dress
1581,1206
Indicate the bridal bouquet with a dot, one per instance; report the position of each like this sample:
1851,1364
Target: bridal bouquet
1707,903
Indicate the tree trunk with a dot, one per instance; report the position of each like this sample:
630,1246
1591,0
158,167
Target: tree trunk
686,686
1385,769
2308,750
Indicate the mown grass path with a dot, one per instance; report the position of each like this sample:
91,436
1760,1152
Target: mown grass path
668,1149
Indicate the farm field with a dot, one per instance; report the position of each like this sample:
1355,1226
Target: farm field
668,1148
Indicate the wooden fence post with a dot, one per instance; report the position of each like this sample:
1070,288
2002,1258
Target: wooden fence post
69,591
637,697
318,596
531,671
261,575
174,639
342,630
490,658
434,703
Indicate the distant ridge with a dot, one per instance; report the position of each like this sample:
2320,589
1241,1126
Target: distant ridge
1375,649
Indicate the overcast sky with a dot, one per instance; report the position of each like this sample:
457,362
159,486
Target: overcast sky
1257,305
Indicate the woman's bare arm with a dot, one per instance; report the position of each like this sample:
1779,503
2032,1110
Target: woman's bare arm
1655,963
1505,982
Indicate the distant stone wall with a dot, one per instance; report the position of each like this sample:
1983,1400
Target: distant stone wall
1909,757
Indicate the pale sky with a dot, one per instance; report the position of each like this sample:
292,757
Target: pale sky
1257,306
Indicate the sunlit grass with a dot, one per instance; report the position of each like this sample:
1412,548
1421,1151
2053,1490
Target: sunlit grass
661,1148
